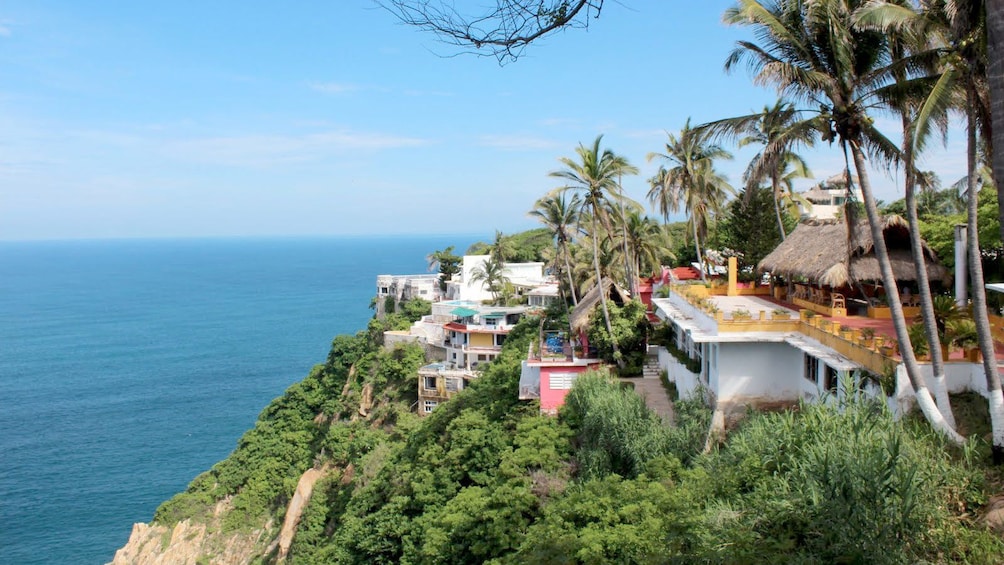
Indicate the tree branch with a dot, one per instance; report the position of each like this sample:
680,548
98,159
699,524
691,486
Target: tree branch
502,32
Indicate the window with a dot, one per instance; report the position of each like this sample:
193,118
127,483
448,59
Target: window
562,381
423,292
384,290
811,368
499,340
482,357
429,383
830,379
429,406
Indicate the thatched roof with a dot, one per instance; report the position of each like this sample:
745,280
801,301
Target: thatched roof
821,251
579,318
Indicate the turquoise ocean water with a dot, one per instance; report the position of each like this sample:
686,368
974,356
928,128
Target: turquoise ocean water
127,367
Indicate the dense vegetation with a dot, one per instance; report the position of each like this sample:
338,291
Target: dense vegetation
486,478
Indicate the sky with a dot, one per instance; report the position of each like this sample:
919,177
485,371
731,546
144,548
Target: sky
193,119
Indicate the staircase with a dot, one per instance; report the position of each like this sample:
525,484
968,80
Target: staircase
650,370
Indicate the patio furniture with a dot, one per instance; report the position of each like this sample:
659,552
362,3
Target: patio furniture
837,300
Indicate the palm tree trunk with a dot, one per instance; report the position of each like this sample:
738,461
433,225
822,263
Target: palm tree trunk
776,186
995,77
697,248
568,271
603,294
939,387
923,395
979,296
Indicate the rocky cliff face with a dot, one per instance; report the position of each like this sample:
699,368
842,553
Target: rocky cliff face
196,543
193,543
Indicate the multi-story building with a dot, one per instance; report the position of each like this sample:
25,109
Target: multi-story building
472,337
406,287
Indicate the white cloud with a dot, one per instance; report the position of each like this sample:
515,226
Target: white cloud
516,142
262,150
334,87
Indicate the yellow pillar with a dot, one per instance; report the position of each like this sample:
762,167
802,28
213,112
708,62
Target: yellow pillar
733,267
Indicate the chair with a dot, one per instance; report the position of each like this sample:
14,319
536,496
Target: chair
837,300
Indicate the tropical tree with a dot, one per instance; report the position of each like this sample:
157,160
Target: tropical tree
780,131
492,274
595,177
913,35
965,71
502,248
446,262
812,52
560,214
995,79
648,242
690,180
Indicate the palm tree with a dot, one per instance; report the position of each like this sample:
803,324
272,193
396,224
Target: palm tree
995,79
559,214
492,274
913,34
965,70
647,241
691,180
502,248
812,52
595,177
780,131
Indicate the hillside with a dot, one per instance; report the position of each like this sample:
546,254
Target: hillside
485,478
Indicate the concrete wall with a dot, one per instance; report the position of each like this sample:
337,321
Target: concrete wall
959,377
687,383
749,372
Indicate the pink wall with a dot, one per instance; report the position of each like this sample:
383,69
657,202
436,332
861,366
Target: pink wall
551,400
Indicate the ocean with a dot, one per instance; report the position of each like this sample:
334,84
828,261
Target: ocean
127,367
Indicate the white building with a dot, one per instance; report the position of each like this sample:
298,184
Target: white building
523,276
827,198
406,287
758,367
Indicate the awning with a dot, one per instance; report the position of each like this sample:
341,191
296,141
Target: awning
999,287
464,312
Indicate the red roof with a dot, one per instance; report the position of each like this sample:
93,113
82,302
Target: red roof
686,274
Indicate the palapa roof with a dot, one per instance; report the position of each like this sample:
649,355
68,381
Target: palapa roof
579,318
822,252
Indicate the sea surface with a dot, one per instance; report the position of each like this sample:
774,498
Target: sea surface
127,367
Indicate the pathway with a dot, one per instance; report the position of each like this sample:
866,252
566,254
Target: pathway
650,388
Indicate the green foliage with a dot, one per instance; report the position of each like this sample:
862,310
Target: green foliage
630,327
414,308
750,225
829,486
447,262
938,230
527,246
615,432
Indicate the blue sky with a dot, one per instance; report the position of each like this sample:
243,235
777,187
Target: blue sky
128,119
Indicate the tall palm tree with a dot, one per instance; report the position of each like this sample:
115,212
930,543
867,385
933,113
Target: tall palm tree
647,241
812,52
964,55
995,79
595,177
780,131
690,180
559,214
913,34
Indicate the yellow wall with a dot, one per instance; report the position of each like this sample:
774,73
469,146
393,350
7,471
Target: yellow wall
481,340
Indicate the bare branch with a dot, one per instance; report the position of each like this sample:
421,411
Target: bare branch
502,32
